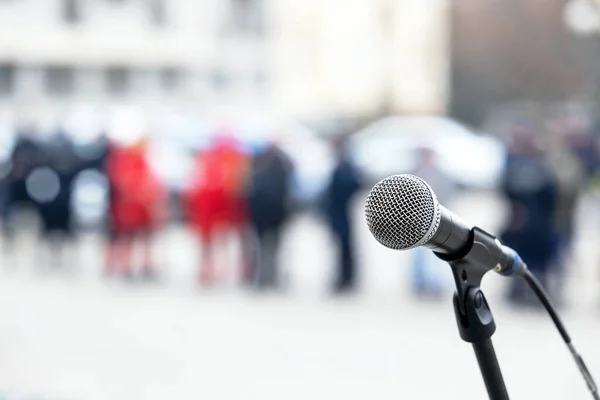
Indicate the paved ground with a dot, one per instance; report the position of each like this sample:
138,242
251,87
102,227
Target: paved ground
74,335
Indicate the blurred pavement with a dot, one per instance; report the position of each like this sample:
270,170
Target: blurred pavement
74,335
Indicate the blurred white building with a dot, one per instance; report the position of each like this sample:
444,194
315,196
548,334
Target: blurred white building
307,58
362,56
149,53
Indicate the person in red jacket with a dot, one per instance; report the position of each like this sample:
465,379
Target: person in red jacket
214,202
138,203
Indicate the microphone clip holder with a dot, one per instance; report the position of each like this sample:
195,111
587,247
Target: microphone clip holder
473,315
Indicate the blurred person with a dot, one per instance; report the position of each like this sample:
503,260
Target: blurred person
344,184
571,182
5,170
585,147
137,206
269,205
94,155
530,187
26,155
4,202
427,269
214,202
4,195
50,187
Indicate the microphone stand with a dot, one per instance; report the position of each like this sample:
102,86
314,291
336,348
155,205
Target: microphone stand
473,316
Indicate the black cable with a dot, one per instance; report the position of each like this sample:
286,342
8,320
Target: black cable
539,291
541,294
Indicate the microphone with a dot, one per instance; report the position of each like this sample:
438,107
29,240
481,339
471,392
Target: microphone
403,213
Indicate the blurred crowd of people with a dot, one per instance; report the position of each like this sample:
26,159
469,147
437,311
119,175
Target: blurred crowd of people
545,176
546,172
246,191
233,189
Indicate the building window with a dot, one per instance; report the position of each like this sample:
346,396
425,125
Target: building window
158,12
71,11
170,79
118,80
245,16
7,79
59,80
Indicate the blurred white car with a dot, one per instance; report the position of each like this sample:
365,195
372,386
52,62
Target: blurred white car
391,146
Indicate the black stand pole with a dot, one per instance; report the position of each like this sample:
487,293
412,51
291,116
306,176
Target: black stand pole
488,364
473,316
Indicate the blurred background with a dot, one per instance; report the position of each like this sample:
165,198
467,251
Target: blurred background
182,190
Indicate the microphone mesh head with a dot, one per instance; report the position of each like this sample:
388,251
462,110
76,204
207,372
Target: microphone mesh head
402,212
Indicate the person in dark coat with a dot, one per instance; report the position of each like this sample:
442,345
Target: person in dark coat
5,198
26,155
345,183
585,147
61,159
50,186
4,195
530,187
571,181
268,203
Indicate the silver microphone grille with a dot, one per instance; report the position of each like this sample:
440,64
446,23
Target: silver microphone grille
402,212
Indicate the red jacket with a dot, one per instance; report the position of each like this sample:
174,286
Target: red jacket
215,197
138,199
